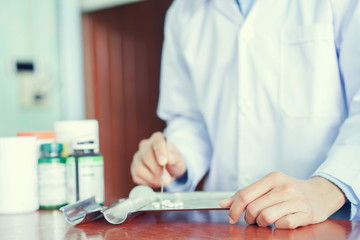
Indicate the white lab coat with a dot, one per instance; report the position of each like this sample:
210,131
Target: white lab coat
276,91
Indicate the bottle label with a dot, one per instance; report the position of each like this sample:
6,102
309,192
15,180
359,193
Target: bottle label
90,178
52,184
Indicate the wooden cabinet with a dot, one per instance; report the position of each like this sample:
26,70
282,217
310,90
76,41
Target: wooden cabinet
122,51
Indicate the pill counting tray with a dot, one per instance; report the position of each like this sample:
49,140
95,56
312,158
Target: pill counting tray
142,198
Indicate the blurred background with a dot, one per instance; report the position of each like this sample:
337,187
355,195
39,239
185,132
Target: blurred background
85,59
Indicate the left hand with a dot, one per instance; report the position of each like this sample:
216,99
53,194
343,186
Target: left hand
285,202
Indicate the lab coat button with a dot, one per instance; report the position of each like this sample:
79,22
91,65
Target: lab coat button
247,33
244,107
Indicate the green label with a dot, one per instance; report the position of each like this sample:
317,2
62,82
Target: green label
52,160
91,158
70,160
85,159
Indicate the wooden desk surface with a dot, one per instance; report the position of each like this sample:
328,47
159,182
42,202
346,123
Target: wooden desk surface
166,225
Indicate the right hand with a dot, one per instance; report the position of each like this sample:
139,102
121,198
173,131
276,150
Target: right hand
153,153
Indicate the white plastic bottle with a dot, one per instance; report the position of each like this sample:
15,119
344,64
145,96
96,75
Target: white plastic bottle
18,175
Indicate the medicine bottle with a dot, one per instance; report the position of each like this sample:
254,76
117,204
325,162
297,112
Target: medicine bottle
85,172
52,176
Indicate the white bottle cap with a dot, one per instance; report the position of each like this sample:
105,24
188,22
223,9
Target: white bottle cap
67,131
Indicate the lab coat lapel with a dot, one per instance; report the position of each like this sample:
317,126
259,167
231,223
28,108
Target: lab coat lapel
229,9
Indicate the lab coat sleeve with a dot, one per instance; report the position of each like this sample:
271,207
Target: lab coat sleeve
178,105
342,164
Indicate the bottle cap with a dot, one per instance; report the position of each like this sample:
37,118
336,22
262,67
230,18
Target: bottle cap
51,147
66,132
38,134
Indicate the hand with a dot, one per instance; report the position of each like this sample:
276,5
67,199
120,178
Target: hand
285,202
153,153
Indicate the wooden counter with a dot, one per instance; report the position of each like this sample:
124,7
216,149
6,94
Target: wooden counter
164,225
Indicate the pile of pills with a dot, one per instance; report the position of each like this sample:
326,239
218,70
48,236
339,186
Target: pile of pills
168,204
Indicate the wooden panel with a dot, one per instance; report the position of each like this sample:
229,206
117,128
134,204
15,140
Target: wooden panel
122,49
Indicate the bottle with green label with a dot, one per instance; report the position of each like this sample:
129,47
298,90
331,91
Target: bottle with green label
85,172
52,176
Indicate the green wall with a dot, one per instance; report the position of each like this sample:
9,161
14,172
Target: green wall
28,31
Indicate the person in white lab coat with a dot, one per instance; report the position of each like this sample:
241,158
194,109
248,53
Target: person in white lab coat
265,97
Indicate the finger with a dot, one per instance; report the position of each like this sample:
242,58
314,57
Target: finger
173,153
225,203
143,180
273,197
139,181
167,178
145,155
148,158
176,168
251,193
143,175
237,207
135,163
158,143
293,221
262,186
271,214
176,164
